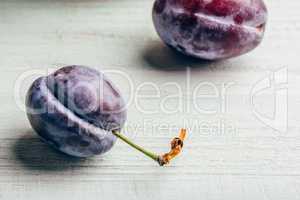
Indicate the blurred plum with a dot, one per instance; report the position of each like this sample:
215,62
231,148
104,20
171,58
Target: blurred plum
210,29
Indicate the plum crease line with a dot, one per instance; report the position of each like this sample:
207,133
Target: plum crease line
75,118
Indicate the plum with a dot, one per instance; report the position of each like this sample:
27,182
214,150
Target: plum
80,112
210,29
75,109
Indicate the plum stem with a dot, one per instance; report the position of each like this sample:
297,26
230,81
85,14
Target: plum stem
139,148
176,146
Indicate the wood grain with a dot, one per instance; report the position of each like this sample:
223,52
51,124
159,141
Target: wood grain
229,153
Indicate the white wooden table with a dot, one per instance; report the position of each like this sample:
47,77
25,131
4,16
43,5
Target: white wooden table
233,151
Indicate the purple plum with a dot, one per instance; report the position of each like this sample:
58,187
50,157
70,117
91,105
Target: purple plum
210,29
75,110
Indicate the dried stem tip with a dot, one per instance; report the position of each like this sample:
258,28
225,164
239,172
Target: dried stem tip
176,146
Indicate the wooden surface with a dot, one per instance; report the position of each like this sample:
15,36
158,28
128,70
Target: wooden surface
230,153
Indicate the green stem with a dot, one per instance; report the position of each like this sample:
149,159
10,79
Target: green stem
137,147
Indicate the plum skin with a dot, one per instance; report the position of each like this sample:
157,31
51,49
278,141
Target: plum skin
75,110
210,29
